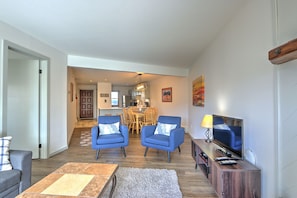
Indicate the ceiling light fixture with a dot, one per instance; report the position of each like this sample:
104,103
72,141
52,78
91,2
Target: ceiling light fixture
140,86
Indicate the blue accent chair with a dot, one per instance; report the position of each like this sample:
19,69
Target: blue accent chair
112,140
160,141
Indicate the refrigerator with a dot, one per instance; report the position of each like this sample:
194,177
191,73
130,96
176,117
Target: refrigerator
126,101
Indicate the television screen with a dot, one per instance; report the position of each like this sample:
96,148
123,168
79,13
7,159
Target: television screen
228,134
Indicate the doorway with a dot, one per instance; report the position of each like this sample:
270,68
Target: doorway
25,96
86,104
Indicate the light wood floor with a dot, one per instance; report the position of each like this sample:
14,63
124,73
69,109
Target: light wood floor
192,182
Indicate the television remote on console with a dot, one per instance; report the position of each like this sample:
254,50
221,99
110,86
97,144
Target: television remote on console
227,162
222,158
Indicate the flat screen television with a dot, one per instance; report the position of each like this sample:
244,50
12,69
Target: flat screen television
228,134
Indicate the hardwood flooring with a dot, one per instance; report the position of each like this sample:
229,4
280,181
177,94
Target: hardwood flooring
192,182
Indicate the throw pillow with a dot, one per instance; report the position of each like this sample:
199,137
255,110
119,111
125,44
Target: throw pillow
107,129
164,129
4,153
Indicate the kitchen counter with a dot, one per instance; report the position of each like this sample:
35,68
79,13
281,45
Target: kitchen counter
110,111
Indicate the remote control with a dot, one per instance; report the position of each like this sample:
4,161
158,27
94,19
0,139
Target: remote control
222,158
227,162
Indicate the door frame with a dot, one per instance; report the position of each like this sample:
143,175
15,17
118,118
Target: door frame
80,104
88,87
43,97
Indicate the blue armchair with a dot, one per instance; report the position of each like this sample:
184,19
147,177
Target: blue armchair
166,135
109,133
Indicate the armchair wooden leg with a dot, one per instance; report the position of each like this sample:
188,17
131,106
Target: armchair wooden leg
178,148
168,153
97,154
146,149
124,152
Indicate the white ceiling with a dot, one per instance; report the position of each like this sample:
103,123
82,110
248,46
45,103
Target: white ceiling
168,33
92,76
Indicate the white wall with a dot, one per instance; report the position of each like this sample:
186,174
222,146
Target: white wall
239,82
71,105
104,88
57,84
180,93
287,72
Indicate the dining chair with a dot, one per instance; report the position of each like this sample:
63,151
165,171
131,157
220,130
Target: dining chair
125,117
149,117
155,115
132,121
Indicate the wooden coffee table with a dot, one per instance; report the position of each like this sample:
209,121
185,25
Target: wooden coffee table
75,180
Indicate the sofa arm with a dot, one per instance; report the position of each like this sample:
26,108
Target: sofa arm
177,137
95,135
22,160
125,132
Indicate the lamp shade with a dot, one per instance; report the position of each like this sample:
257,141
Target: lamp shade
207,121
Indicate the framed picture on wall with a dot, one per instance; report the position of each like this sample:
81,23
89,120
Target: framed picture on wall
167,94
198,91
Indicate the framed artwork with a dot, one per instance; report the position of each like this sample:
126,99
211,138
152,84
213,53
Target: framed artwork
198,91
167,94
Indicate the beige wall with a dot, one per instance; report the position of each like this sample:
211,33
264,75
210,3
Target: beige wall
104,88
180,93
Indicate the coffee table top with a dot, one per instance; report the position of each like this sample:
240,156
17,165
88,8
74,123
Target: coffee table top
73,180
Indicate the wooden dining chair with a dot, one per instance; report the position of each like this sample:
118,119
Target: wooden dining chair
132,121
125,116
149,117
155,115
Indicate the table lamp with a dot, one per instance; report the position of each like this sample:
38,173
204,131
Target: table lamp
207,123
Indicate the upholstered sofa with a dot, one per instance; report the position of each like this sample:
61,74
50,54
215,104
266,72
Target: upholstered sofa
13,182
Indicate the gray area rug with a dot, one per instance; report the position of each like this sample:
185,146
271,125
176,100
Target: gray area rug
145,183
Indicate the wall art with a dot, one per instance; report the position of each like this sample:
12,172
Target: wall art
198,91
167,94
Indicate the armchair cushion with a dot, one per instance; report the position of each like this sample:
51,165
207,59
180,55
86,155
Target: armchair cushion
108,129
110,139
4,153
164,129
162,140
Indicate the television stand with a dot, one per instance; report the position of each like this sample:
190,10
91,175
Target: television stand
229,181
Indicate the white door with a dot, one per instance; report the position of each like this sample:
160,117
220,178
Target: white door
23,104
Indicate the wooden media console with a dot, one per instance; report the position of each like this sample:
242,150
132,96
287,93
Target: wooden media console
229,181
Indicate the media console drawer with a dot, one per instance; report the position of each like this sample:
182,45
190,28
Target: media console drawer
229,181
